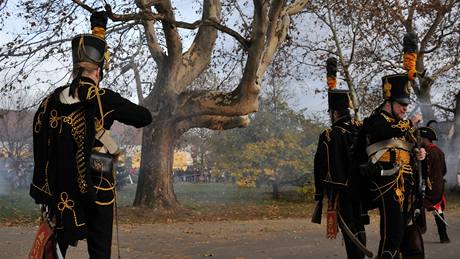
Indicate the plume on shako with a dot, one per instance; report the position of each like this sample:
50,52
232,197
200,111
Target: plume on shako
98,28
338,99
331,68
410,42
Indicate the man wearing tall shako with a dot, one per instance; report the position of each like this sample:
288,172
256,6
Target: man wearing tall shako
333,170
70,126
434,170
387,155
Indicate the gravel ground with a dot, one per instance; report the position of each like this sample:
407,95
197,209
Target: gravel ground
283,238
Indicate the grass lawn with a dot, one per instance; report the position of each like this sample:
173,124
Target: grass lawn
199,202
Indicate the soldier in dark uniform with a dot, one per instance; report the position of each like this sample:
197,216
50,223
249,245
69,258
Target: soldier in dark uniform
434,169
333,169
387,154
69,125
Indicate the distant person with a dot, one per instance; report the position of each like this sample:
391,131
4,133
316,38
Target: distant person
70,126
434,169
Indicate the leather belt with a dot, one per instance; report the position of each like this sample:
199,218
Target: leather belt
389,172
376,150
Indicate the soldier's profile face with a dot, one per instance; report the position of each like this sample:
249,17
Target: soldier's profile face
399,110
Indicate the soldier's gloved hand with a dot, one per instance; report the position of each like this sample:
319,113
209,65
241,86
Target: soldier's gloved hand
420,153
369,169
99,19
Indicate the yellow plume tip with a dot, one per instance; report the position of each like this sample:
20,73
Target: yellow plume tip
409,63
331,82
99,31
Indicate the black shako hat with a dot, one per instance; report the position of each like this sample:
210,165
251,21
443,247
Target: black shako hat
427,132
397,88
89,48
338,99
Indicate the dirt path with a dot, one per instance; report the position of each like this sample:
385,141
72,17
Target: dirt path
284,238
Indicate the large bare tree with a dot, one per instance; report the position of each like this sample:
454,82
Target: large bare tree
259,27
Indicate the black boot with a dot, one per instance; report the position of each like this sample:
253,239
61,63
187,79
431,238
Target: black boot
442,229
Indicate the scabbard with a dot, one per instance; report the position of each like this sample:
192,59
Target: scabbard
317,213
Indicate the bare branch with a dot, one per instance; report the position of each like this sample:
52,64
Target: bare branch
444,69
85,6
444,108
244,42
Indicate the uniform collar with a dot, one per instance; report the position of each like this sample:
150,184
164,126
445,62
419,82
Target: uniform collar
87,80
431,146
387,113
342,121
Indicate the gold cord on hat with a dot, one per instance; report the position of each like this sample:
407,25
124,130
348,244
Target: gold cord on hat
387,89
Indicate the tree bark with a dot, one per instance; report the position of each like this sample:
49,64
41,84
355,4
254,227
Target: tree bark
453,149
276,190
424,99
155,186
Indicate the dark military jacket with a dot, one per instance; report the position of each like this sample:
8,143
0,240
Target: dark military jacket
63,137
380,126
434,169
333,165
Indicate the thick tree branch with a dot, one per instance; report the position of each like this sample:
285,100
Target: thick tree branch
198,56
250,83
213,122
296,7
397,14
440,13
198,103
276,33
137,77
173,40
152,43
408,23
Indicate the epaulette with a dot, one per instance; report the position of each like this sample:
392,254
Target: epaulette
343,130
356,123
387,118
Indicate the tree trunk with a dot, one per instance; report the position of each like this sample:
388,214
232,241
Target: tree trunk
276,190
155,186
424,99
453,150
